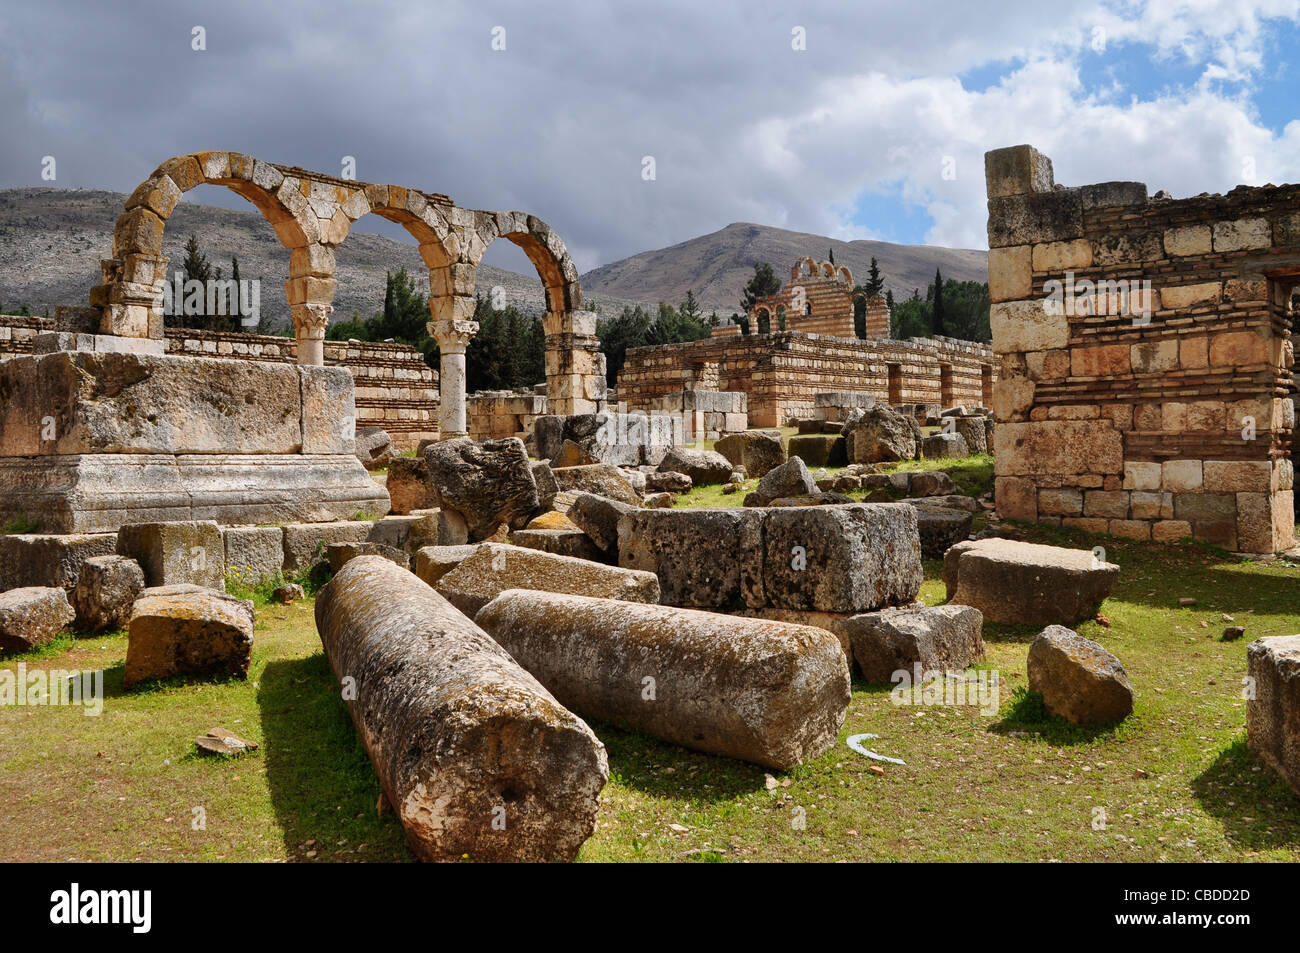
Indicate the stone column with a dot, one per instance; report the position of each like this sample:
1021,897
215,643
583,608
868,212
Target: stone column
309,324
575,368
453,336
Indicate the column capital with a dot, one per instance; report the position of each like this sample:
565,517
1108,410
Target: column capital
452,335
311,320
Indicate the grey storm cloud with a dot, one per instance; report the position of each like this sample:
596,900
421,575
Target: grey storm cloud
741,126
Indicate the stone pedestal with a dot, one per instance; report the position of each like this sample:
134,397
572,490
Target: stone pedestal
93,440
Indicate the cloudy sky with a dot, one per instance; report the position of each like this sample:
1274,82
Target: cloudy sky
875,128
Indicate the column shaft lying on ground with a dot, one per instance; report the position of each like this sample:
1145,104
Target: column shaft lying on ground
768,692
476,757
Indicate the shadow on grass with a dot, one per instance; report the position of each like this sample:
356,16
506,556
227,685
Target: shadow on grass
322,785
1027,713
662,769
1255,806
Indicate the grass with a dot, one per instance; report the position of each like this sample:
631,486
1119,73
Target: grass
1173,782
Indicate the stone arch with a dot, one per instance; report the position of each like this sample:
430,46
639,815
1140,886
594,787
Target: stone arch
846,275
828,270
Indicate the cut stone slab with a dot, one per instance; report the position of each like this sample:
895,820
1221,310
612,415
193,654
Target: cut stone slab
598,517
841,558
938,638
487,482
188,630
477,759
434,562
38,559
559,542
395,531
289,592
338,554
493,568
769,693
189,552
602,479
305,543
546,485
1011,581
224,742
375,447
253,553
923,483
668,481
790,478
551,519
758,451
704,467
1273,712
941,528
944,446
106,590
32,616
1079,679
704,558
818,450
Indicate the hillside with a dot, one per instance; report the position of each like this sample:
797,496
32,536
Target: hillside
52,240
716,266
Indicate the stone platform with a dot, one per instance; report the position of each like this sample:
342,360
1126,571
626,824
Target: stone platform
93,440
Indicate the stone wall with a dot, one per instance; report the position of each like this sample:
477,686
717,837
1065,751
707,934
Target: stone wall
1151,406
491,414
395,388
782,373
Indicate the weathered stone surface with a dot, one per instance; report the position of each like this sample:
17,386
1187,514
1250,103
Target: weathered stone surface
458,733
1079,680
788,479
434,562
704,467
659,501
188,630
758,451
573,454
602,479
770,693
1011,581
616,439
106,590
882,435
707,559
305,543
560,542
374,447
845,558
339,554
941,528
32,615
941,446
492,568
551,519
1058,447
546,485
176,553
289,592
408,485
973,430
938,638
668,482
1273,711
488,483
928,483
819,450
253,553
598,517
397,531
36,559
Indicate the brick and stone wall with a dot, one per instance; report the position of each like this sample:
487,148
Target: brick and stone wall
781,374
395,389
1151,411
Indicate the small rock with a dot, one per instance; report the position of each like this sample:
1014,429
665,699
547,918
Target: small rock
289,592
221,741
1233,632
1186,601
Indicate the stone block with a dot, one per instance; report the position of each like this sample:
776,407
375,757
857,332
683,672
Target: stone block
1012,581
44,560
1273,711
708,559
32,615
1020,326
188,630
183,552
938,639
305,543
1057,447
1079,680
559,542
818,450
253,553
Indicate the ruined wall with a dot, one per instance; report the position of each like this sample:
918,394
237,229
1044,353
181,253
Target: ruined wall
395,389
1147,414
491,414
818,299
781,373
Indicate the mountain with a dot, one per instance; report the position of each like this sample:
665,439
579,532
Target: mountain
717,266
52,240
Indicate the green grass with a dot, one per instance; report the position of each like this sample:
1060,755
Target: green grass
1176,781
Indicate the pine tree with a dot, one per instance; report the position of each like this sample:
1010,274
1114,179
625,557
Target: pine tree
690,307
763,284
832,258
937,310
875,283
237,307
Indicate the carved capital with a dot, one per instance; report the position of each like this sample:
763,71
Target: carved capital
311,320
453,335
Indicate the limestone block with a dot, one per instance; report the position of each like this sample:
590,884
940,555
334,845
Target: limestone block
1035,217
31,616
938,638
1187,240
1181,476
305,543
1027,326
1059,257
560,542
434,562
940,527
188,630
253,553
602,479
711,559
758,451
493,568
1057,447
1016,170
1237,476
339,555
1177,297
106,590
34,559
1079,679
1011,581
1273,710
1011,273
1242,234
181,552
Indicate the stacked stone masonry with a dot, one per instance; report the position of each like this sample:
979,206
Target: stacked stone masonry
781,374
1151,414
818,299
